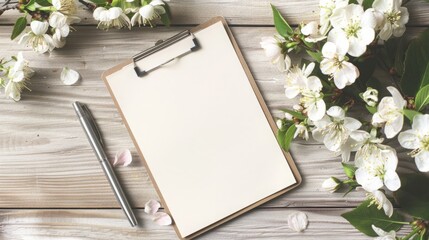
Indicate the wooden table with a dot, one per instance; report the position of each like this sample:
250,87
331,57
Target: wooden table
51,185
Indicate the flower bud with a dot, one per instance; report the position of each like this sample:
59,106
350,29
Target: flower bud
288,116
279,123
370,96
297,107
331,184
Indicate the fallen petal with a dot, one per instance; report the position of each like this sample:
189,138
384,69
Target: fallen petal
69,76
297,221
151,207
123,157
162,219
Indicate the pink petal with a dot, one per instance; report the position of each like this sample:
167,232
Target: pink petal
162,219
151,207
123,157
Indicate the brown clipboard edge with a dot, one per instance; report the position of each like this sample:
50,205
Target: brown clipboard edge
264,107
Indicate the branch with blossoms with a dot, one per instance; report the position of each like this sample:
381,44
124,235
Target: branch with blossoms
352,39
50,20
14,76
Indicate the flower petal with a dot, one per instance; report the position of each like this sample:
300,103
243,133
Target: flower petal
151,207
39,27
392,181
310,28
115,12
351,124
336,112
408,139
69,76
123,157
422,161
97,13
317,111
329,50
397,97
297,221
421,124
394,127
162,219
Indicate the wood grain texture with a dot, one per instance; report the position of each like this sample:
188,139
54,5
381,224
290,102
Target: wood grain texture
244,12
110,224
47,161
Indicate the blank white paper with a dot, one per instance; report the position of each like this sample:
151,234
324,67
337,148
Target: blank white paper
202,133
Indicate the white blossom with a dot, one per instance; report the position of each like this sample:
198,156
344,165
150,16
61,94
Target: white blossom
327,7
61,26
334,129
389,111
394,18
20,71
353,29
67,7
149,12
312,33
382,235
301,131
112,17
273,50
417,138
17,77
336,65
380,200
37,38
299,82
376,162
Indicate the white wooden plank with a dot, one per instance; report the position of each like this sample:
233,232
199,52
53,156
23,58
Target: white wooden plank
111,224
247,12
47,161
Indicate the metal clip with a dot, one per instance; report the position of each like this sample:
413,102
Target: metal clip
162,44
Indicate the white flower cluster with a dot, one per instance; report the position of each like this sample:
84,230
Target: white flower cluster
46,35
342,36
116,17
14,75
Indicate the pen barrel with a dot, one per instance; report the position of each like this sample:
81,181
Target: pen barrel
119,194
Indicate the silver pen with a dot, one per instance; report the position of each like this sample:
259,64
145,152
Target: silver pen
96,142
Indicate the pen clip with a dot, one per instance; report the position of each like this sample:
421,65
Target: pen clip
93,124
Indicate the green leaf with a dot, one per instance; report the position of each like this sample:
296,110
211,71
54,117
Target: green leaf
44,3
366,69
400,56
422,98
165,18
99,2
282,26
19,27
410,114
349,170
281,137
115,3
370,109
289,136
364,216
413,196
295,114
425,78
367,4
416,60
315,55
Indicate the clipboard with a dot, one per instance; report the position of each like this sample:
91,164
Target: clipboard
201,128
